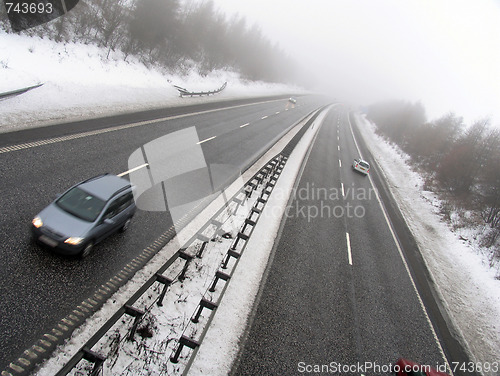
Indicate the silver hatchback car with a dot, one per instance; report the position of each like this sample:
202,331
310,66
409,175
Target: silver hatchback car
361,166
85,214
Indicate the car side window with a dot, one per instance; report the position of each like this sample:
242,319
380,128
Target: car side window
124,202
119,205
111,211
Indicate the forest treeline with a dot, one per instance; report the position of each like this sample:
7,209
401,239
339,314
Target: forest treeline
463,161
174,34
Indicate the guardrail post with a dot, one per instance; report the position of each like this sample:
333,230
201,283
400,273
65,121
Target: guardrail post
183,341
166,282
217,224
218,275
230,253
238,237
183,255
137,314
248,191
95,358
199,254
203,304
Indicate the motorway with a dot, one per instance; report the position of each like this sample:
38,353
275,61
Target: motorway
38,288
339,293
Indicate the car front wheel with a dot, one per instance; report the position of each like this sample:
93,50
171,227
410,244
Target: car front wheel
126,225
87,249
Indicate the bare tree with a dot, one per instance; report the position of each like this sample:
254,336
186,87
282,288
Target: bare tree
460,168
153,26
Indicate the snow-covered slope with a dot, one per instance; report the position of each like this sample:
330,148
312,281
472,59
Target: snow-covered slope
80,82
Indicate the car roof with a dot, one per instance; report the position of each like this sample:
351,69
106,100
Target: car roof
104,186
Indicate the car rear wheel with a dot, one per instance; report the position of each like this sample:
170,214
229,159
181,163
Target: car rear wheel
87,249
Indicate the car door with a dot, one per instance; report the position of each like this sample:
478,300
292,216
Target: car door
106,224
123,210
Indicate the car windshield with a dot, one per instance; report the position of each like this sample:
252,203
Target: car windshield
81,204
364,164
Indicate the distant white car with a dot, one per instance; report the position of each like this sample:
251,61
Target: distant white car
292,100
361,166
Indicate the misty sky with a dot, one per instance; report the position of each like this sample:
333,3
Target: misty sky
445,53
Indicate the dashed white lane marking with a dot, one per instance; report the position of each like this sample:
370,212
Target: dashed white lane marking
338,138
263,117
349,254
205,140
134,169
338,147
340,163
244,125
342,187
277,113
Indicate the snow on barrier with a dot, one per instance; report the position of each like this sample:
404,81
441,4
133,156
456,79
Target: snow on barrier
210,300
184,92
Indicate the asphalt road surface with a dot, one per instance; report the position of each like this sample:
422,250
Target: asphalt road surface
338,297
38,287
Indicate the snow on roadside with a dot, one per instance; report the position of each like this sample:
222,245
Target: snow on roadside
157,336
466,283
80,83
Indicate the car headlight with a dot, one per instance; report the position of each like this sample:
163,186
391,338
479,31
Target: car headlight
74,240
37,222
